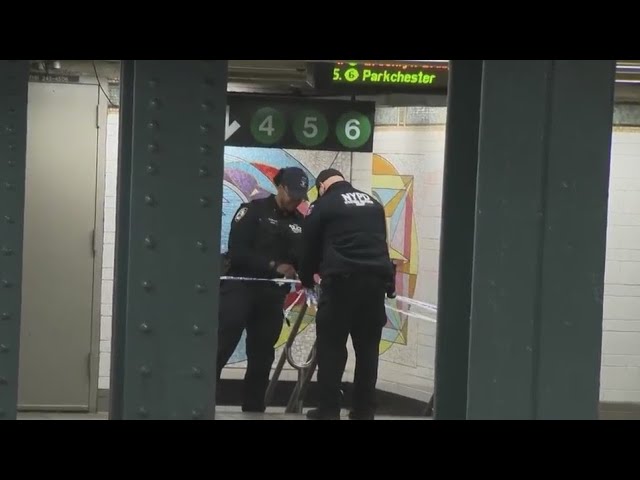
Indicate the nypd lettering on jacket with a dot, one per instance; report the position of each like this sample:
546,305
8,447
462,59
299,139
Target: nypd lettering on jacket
358,199
344,232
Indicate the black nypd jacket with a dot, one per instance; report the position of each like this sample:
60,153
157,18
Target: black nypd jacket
262,236
345,232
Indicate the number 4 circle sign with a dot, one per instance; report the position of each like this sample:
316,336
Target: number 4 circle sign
268,126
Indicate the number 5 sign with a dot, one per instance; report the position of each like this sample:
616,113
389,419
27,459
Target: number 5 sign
298,123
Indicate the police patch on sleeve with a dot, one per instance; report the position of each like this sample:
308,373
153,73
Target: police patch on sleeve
241,213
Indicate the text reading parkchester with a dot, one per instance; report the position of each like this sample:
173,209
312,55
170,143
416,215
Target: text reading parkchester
387,76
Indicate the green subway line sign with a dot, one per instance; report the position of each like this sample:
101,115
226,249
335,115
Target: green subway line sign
298,123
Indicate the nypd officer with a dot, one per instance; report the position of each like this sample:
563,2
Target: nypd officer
345,241
264,243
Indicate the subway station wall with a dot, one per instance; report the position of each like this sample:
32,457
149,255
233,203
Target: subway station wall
620,376
405,174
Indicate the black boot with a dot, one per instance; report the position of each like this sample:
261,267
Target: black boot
318,414
355,415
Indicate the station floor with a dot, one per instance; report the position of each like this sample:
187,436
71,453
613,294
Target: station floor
222,413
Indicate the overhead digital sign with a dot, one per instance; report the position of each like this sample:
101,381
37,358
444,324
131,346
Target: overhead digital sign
387,77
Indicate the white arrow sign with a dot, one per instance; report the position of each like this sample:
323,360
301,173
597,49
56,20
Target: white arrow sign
230,129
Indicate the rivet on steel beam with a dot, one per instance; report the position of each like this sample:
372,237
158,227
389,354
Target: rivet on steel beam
206,106
152,147
152,169
196,372
155,103
11,162
142,412
205,149
12,110
144,328
6,251
205,128
145,371
152,125
153,83
196,413
197,330
5,316
3,381
3,348
203,172
12,147
11,129
8,219
149,200
205,202
201,288
201,246
149,242
8,186
147,285
210,81
6,284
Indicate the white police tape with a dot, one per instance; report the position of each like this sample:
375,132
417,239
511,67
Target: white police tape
417,303
281,281
313,300
411,314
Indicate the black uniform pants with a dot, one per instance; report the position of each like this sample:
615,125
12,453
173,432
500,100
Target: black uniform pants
256,307
349,305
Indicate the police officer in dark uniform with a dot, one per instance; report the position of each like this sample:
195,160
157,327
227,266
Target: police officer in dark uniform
264,242
345,241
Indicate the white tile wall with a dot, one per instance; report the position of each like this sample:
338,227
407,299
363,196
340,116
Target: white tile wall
108,248
620,376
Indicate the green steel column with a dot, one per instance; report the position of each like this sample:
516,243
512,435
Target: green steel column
537,290
168,313
121,267
456,239
14,76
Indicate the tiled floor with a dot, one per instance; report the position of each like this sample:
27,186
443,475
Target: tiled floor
61,416
234,413
222,413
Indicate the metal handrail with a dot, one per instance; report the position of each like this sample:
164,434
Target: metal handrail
305,370
296,401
